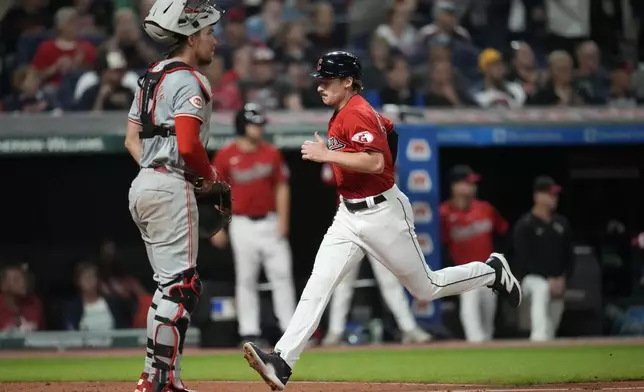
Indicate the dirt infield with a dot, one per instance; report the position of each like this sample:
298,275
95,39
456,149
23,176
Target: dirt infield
320,387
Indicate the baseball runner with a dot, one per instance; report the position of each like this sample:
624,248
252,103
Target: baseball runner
374,218
390,289
259,228
172,199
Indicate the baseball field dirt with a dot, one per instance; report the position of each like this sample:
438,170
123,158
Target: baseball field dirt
564,365
223,386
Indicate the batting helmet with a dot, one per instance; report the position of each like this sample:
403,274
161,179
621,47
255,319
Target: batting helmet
251,113
168,20
338,64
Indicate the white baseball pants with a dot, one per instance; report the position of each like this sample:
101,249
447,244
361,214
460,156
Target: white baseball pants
478,308
545,312
385,232
256,243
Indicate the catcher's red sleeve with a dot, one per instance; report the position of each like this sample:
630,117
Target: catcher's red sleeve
190,147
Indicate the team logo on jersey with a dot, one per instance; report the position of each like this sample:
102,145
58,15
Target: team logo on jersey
196,101
422,212
334,144
418,150
363,137
426,243
419,181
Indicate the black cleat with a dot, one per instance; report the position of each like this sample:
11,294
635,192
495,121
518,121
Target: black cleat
273,369
505,285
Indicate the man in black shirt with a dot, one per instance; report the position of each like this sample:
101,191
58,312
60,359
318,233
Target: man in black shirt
544,258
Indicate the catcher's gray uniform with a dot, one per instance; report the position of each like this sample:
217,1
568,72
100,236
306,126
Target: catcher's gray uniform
163,206
162,203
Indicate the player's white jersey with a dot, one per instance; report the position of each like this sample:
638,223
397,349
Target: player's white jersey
180,93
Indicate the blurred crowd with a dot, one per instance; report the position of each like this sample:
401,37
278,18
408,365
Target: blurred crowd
105,297
86,55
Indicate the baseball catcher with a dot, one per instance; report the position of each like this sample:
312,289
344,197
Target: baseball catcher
177,196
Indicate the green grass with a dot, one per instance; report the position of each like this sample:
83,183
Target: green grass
432,365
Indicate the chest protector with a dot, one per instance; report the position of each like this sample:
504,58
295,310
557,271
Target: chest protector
149,84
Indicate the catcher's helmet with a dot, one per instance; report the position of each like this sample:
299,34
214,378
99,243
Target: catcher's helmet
168,20
338,64
251,113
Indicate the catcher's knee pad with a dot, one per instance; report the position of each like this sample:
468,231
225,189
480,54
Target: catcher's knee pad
171,321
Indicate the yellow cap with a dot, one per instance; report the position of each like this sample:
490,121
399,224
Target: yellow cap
487,57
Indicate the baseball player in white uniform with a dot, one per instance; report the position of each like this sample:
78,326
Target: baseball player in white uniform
390,288
374,218
166,134
258,175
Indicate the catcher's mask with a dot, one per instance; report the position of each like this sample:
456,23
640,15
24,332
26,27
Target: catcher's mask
171,20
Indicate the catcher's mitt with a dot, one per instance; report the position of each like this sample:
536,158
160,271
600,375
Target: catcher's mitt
215,207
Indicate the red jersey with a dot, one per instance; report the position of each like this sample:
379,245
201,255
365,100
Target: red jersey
81,53
358,127
469,233
28,317
253,177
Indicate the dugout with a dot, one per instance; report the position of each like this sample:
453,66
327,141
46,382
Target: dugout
58,207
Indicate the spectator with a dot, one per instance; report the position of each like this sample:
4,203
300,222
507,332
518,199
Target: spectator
242,65
114,279
291,44
374,68
266,25
59,56
559,89
442,91
92,78
90,310
446,33
128,39
263,86
524,69
225,94
233,36
568,23
622,92
298,74
94,16
117,283
544,257
20,310
27,96
110,93
437,52
591,79
468,227
525,18
445,26
398,31
325,34
26,17
398,90
296,9
497,91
